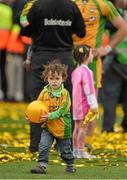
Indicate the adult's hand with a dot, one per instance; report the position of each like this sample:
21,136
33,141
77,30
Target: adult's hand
27,65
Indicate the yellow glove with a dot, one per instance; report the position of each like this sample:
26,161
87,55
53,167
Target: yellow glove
91,116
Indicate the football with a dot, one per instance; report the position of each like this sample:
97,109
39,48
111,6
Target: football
35,109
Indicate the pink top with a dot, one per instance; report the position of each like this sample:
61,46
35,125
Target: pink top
83,85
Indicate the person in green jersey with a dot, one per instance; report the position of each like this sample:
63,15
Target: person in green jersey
58,120
114,81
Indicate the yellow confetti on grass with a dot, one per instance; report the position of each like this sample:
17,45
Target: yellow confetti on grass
79,165
14,138
55,161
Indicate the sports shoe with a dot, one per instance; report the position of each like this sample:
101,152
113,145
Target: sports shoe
85,155
39,170
75,152
70,169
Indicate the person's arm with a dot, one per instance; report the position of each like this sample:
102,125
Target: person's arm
23,17
24,21
91,100
89,90
121,27
120,34
27,62
62,110
91,97
112,15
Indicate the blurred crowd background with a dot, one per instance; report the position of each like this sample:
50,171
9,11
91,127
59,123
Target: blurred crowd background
14,80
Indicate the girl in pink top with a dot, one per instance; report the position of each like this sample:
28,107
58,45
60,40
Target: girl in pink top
83,98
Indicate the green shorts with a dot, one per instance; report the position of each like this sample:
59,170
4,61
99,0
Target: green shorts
96,67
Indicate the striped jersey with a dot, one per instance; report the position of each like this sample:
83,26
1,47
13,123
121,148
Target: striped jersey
59,118
95,14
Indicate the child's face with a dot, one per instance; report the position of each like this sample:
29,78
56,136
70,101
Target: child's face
90,57
55,80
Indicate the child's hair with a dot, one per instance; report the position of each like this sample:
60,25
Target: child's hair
81,53
54,66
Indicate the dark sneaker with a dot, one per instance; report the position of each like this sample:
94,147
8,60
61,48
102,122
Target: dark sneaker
70,169
39,170
33,150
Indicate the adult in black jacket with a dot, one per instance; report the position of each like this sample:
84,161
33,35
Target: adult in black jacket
51,25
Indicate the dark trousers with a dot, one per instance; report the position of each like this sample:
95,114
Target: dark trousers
2,72
37,84
45,146
114,84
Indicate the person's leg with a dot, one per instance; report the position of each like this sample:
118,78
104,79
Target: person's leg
45,146
44,149
96,67
10,73
19,95
91,128
35,136
75,137
67,154
111,92
124,93
35,129
37,84
81,137
3,73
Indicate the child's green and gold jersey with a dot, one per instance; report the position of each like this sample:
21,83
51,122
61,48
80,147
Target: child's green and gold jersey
95,14
59,119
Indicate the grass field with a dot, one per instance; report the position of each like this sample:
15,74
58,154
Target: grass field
16,161
20,170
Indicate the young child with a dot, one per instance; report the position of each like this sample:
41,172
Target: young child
58,120
83,97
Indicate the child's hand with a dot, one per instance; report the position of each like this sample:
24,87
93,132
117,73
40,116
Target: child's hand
27,119
43,118
91,116
95,110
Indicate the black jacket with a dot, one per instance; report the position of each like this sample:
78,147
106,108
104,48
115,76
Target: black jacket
52,23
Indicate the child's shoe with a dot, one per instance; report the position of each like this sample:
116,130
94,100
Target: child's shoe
80,155
70,168
89,156
39,170
75,152
85,155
